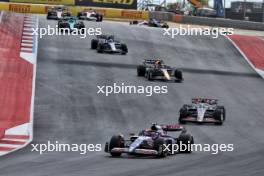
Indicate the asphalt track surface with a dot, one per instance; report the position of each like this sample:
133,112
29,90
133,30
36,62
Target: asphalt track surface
68,108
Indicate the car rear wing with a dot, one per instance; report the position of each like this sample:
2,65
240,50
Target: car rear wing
151,61
173,127
62,8
106,37
205,100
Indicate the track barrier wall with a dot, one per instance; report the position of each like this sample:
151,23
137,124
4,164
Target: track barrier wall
220,22
134,14
43,8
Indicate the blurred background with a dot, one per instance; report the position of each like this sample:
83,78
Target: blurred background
251,10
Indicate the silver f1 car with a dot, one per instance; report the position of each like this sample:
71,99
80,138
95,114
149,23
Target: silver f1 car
108,44
151,23
151,142
91,15
58,12
203,110
156,69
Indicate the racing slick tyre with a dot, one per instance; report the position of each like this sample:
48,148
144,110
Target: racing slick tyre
165,25
159,147
149,76
183,114
133,22
80,25
99,18
124,49
79,15
219,115
141,70
223,111
100,48
178,75
64,27
116,141
186,140
94,44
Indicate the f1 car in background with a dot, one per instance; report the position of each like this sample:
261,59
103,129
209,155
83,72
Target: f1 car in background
151,23
150,142
91,15
108,44
202,110
69,24
155,69
58,12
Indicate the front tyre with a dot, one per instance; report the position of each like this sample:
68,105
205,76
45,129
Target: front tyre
159,147
94,44
100,48
124,49
219,115
178,75
116,141
141,70
149,76
183,114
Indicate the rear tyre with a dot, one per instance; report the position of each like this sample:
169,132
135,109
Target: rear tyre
116,141
141,70
186,140
94,44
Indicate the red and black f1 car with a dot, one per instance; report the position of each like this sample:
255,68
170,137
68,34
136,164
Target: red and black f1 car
155,69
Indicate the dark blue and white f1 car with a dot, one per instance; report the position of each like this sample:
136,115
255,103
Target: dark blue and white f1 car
151,142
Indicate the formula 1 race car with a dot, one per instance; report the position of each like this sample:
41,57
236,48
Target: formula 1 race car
151,142
58,12
108,44
151,23
90,15
156,69
202,110
69,24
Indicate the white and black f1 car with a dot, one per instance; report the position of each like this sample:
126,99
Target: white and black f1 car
156,69
58,12
108,44
153,142
203,110
151,23
91,15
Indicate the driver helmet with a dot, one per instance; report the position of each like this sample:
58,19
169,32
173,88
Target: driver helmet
158,62
155,127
